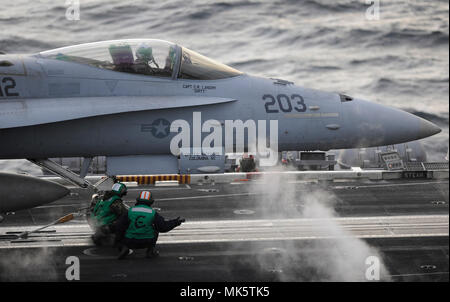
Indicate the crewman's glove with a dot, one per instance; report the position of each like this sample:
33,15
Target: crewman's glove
180,220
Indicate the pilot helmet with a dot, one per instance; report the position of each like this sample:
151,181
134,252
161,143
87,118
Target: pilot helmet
144,52
172,52
119,189
145,197
171,56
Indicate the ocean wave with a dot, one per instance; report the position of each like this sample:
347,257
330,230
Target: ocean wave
383,59
327,6
416,38
239,64
440,120
200,15
410,86
396,86
205,11
12,20
318,35
235,4
323,68
15,44
267,31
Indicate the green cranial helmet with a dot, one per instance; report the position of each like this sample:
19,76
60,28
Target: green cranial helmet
144,52
119,189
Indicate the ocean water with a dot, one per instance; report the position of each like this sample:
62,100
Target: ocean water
401,59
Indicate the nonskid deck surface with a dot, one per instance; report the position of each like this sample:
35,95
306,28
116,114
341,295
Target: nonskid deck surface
252,230
231,226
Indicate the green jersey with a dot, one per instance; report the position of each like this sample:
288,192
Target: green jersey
141,222
103,213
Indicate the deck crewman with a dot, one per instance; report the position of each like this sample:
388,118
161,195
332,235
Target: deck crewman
106,213
140,228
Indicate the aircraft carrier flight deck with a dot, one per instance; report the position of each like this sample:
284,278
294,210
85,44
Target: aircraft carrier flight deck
237,231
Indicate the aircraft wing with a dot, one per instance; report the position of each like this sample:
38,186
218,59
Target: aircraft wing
20,112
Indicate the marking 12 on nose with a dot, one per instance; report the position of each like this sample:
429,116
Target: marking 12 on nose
5,90
284,103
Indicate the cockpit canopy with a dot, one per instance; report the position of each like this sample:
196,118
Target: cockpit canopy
145,57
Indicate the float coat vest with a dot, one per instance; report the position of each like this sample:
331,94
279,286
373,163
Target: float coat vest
102,212
141,222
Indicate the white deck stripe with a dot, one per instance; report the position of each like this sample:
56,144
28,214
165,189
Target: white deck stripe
259,230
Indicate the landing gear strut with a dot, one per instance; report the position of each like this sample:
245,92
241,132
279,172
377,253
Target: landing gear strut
66,173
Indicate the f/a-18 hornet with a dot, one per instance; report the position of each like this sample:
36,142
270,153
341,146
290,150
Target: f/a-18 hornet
128,99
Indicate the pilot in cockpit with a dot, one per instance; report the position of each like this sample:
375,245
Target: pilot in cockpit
122,57
144,57
170,59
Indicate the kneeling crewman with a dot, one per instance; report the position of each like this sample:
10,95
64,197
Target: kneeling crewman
142,225
107,212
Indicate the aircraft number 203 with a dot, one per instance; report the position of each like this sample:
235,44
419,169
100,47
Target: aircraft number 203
284,103
7,86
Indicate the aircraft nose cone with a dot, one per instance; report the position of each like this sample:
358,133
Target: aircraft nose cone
427,128
374,124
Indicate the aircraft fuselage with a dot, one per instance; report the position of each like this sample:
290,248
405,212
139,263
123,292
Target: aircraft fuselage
307,119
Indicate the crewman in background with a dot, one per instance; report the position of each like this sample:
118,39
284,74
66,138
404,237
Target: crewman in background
140,228
106,213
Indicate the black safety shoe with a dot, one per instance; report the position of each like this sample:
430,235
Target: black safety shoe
124,251
151,253
96,240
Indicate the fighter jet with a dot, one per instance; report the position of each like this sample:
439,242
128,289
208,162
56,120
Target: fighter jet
129,99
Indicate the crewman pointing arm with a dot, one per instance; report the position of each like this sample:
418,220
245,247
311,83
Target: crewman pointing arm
140,228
